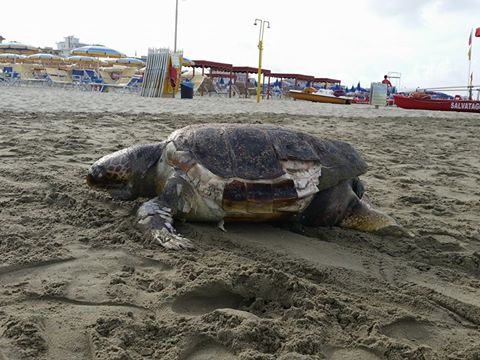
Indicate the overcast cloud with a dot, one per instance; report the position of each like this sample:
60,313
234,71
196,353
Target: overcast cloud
426,41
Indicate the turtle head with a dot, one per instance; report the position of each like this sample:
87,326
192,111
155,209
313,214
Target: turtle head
127,174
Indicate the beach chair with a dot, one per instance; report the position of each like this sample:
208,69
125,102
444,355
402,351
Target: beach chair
59,77
207,87
8,76
221,89
92,79
240,89
30,74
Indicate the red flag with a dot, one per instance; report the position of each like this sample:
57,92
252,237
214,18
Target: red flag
470,38
477,32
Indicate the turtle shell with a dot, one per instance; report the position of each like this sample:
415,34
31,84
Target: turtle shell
256,152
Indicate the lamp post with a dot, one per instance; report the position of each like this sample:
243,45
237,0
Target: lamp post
260,49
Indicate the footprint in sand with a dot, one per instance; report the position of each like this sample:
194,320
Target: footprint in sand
208,350
86,278
207,299
348,354
412,332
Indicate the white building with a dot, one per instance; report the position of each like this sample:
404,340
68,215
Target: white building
69,44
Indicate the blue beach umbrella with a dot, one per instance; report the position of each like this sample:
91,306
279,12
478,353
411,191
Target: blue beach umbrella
98,51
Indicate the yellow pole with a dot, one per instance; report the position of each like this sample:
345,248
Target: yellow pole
260,48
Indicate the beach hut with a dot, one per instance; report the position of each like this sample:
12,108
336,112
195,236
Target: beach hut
97,51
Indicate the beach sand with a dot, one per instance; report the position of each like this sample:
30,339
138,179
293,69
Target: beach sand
78,281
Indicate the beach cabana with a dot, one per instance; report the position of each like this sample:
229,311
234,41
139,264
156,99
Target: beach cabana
244,88
97,51
295,77
17,48
213,68
325,82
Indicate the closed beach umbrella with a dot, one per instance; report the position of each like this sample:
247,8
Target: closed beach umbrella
97,51
17,48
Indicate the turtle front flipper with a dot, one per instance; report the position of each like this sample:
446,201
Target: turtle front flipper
156,216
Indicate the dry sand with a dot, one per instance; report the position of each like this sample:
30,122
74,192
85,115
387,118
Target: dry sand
78,282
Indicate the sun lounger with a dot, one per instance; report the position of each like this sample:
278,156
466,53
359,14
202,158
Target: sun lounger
207,87
59,77
30,74
8,76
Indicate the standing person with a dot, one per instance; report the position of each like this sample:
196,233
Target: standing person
388,83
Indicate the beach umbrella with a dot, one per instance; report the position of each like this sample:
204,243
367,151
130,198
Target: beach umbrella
128,61
45,57
7,57
222,81
17,48
79,58
97,51
358,86
187,62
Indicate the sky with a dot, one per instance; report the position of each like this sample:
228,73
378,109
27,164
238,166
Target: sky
354,41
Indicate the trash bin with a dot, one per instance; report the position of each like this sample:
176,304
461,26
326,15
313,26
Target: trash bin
186,90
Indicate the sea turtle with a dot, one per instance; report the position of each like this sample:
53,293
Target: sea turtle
228,172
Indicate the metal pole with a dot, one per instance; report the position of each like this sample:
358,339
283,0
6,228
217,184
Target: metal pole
469,82
176,21
175,43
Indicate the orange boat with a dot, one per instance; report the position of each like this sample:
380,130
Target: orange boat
323,96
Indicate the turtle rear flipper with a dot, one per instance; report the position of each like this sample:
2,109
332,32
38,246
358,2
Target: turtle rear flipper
361,216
